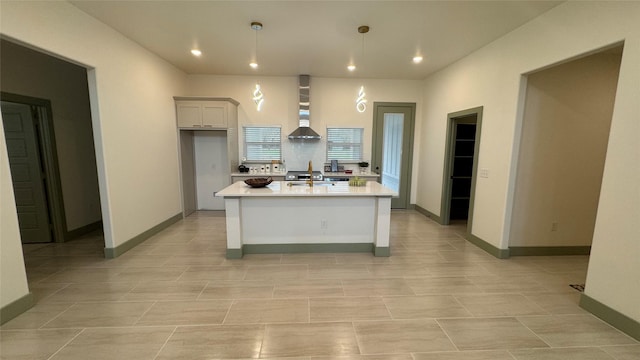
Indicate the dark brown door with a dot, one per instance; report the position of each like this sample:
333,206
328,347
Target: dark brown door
26,172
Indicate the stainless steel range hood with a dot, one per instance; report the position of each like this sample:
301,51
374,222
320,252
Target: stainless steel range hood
303,132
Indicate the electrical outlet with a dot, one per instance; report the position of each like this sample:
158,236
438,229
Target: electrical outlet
324,224
554,226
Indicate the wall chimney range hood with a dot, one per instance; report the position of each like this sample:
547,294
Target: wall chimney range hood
303,132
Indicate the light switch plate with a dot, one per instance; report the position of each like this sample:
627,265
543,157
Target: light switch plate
484,173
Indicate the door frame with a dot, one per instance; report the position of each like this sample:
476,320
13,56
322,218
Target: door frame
453,119
407,173
49,157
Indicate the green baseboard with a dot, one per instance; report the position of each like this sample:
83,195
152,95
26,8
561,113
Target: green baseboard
618,320
307,248
83,230
429,214
497,252
111,253
234,254
16,308
548,250
382,251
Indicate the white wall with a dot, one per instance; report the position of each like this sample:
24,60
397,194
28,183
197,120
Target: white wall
212,168
491,77
332,104
565,130
132,109
30,73
13,277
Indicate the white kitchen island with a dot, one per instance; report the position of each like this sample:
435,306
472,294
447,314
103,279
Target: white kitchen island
332,217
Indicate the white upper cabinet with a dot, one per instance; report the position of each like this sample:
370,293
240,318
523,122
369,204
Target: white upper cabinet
206,114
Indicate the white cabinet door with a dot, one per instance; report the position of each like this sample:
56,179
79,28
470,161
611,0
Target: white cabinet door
189,114
214,114
202,114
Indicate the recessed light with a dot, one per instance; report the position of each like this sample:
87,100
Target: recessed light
417,59
253,65
351,67
196,52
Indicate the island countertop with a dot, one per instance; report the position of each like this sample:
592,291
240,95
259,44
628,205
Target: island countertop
300,189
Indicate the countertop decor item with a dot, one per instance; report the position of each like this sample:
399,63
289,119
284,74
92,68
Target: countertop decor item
258,182
356,181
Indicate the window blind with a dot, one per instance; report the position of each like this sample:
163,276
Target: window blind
344,144
262,143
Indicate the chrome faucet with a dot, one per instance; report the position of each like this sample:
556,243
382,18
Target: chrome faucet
310,170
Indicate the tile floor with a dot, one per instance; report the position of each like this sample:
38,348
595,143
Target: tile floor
177,297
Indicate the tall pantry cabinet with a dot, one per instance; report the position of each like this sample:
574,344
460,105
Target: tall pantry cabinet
208,146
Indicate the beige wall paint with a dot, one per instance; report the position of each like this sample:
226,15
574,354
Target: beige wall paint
30,73
562,150
491,77
332,104
132,109
13,278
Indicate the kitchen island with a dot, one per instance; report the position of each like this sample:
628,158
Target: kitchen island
286,217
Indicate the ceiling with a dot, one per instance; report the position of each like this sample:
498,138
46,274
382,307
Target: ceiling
319,38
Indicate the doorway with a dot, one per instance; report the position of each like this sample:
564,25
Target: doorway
34,168
460,165
392,152
57,94
561,152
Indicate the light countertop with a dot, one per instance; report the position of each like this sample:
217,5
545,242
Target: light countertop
325,174
343,175
320,189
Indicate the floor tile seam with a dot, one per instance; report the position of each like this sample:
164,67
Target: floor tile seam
444,331
133,287
103,301
144,313
517,318
50,275
601,321
455,298
387,307
511,354
226,315
206,284
104,327
355,335
611,357
42,327
65,345
603,347
165,342
43,300
546,313
535,303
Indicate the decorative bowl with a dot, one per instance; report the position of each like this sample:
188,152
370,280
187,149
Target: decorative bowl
258,182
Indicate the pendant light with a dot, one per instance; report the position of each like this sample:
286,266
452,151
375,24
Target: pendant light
361,100
258,96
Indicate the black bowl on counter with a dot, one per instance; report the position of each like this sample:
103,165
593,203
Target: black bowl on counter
258,182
